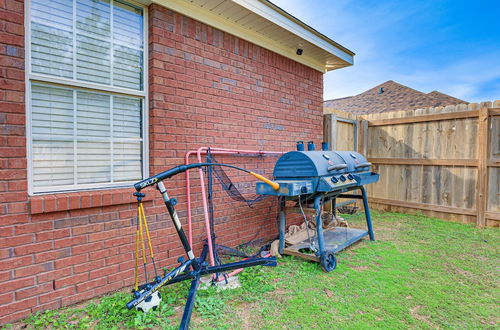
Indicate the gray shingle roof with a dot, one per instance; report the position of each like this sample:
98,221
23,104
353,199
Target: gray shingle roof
394,97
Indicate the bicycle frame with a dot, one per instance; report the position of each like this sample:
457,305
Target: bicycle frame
193,268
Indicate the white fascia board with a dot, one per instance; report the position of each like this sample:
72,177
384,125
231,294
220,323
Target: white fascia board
270,14
186,8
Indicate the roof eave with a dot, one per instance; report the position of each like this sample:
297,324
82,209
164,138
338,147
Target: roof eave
307,27
275,14
333,55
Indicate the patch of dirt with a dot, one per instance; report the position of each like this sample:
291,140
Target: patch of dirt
488,322
459,271
328,293
479,257
280,291
177,316
463,272
421,318
359,268
248,320
246,317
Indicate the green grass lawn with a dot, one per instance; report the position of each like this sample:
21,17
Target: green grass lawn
420,273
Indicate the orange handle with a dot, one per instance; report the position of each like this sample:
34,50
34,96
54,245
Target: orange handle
273,184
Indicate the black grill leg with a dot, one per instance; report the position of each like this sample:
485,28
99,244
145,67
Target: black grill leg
319,224
367,214
282,228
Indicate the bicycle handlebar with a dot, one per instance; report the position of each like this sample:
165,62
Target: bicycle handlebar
183,168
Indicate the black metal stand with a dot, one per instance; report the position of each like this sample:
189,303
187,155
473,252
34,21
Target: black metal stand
329,243
192,269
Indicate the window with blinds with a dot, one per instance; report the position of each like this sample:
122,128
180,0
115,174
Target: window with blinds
86,94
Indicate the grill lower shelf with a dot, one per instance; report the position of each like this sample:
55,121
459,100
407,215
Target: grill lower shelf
336,239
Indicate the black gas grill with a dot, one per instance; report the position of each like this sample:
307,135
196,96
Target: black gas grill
311,179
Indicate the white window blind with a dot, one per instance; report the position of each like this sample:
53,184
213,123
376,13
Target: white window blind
88,40
82,137
86,138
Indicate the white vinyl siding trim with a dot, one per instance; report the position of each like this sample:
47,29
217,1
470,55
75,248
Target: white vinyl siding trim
87,115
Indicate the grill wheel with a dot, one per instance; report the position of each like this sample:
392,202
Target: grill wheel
328,261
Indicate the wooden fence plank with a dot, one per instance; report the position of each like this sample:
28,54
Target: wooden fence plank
493,215
327,129
493,203
424,118
363,137
425,161
469,182
333,134
423,206
494,138
344,136
482,175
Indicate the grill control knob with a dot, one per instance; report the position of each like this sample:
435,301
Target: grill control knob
334,179
350,177
342,178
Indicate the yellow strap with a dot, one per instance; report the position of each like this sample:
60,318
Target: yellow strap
147,231
141,237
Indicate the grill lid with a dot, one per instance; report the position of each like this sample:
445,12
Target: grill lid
307,164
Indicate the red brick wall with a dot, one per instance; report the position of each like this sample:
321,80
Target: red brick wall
211,88
206,88
16,235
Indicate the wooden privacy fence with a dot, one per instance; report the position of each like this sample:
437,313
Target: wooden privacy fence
442,161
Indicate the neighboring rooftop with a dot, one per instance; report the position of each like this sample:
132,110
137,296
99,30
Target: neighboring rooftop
391,96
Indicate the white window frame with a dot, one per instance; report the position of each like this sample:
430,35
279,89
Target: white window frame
89,86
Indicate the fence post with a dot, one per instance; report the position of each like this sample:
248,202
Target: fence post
482,169
363,137
333,132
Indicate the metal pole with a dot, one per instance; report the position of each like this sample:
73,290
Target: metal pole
334,208
367,213
282,227
188,309
319,224
175,219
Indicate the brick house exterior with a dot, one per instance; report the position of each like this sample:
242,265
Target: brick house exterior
205,87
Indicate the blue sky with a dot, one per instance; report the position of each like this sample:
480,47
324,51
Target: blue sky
449,46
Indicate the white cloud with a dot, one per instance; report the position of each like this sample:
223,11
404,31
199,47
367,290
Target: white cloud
464,78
